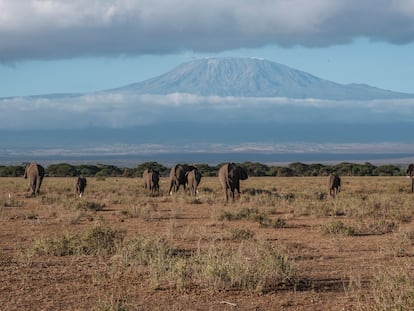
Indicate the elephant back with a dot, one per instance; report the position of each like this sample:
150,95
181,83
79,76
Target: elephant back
34,169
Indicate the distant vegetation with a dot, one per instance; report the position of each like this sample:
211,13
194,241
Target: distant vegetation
253,169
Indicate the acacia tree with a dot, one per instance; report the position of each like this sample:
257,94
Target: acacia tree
61,170
11,171
388,170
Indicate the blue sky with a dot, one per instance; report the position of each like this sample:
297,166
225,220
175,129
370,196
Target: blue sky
57,46
379,64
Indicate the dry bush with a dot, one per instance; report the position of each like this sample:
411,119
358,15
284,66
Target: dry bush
241,234
88,206
253,266
99,240
391,288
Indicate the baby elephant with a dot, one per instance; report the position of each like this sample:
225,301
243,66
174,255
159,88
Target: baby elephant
193,179
151,180
80,185
334,183
410,174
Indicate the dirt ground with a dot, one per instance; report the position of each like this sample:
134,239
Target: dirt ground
333,270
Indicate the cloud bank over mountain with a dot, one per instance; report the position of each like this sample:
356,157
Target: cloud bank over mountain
43,29
128,110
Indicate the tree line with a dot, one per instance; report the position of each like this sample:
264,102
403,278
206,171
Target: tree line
253,169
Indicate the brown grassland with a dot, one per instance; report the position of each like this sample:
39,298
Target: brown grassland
283,245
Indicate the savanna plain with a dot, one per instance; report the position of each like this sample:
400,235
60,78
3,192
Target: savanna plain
284,245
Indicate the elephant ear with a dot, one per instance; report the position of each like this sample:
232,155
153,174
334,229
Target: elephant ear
231,167
232,170
242,173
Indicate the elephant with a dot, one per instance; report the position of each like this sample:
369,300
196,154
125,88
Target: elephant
410,174
151,180
80,185
193,178
35,173
334,185
177,176
230,175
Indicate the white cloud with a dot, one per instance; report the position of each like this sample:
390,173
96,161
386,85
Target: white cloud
121,110
53,29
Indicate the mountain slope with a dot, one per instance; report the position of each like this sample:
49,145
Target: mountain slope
249,77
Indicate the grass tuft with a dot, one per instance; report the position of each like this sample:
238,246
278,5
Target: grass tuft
99,240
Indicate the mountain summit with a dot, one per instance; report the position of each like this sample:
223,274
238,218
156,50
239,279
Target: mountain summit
252,77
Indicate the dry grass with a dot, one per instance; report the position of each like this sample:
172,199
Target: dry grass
284,244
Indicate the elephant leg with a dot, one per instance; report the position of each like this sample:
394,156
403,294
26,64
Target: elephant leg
232,193
171,187
33,186
226,193
237,194
38,184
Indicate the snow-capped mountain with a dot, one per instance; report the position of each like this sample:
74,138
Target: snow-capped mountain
252,77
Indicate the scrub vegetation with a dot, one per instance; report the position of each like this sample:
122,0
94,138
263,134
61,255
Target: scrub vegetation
285,244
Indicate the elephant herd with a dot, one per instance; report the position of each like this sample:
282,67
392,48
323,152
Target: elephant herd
184,175
229,174
35,173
